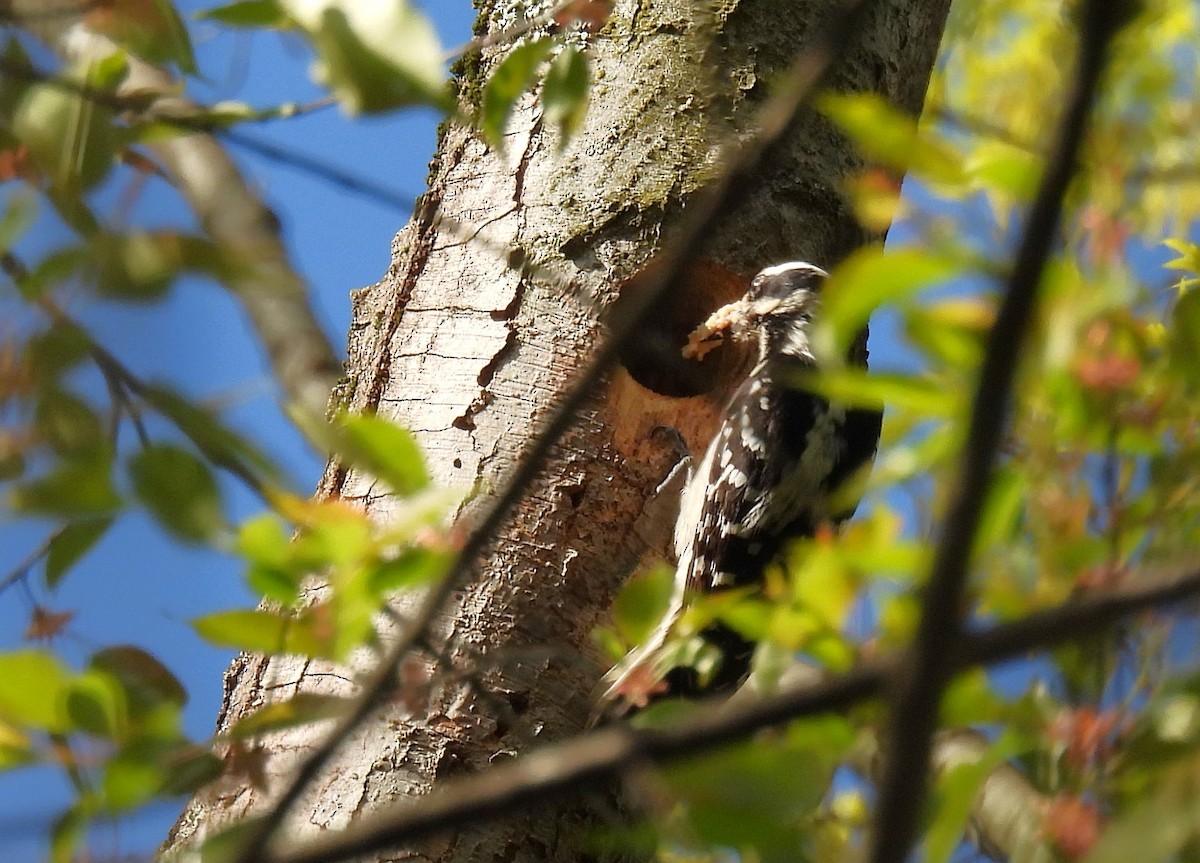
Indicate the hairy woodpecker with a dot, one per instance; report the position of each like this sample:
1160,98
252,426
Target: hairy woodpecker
766,477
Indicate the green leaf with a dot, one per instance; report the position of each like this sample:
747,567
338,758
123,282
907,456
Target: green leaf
642,602
16,749
858,388
261,631
70,544
179,490
302,709
141,266
267,546
53,271
565,92
67,834
1001,170
74,489
55,351
96,704
415,567
12,466
147,683
72,139
385,450
266,14
18,217
864,281
34,690
132,777
890,136
515,74
189,769
1184,337
219,445
151,30
753,798
374,56
957,790
68,423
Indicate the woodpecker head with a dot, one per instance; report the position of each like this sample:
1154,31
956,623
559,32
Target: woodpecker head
776,310
780,299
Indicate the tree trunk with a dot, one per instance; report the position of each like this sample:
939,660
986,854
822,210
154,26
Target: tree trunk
470,353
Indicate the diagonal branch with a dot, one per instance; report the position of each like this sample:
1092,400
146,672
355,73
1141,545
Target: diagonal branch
597,757
925,673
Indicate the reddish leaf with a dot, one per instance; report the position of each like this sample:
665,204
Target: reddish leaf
45,624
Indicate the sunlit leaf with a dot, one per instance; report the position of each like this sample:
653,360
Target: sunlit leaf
131,778
72,139
414,567
373,56
267,546
889,136
179,491
16,749
565,92
261,631
512,77
301,709
852,386
1004,173
385,450
34,690
957,790
867,279
642,602
751,798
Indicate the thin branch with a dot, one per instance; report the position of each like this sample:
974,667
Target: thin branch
597,757
21,570
811,65
925,673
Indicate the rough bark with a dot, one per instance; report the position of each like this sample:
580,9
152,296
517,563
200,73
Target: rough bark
469,353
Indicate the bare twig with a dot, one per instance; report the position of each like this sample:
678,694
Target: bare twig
924,674
601,755
21,570
704,210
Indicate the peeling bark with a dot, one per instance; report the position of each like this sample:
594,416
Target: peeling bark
471,353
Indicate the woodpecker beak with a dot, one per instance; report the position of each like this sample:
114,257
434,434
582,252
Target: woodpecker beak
734,317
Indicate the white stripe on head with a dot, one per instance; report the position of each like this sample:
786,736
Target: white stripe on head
780,269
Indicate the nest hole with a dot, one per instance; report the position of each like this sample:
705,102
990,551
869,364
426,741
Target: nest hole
653,357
